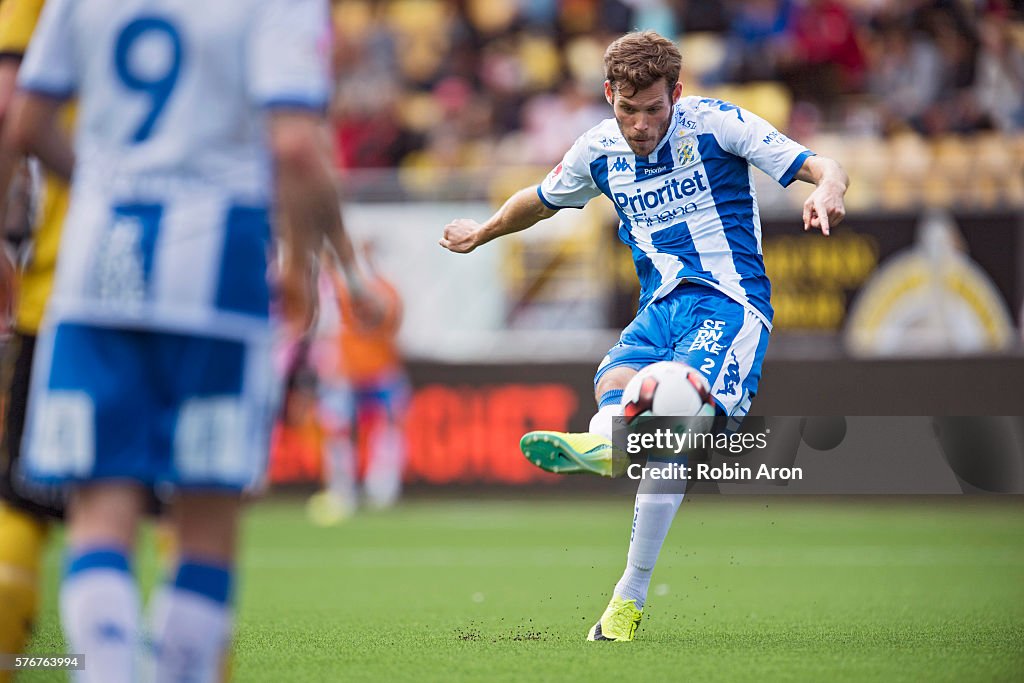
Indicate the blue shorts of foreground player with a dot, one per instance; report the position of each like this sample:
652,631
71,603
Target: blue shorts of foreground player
152,407
704,328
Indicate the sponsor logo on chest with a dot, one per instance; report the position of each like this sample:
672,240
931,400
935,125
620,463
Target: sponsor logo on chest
651,195
659,201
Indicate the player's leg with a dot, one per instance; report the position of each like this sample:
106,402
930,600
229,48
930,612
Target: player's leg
26,509
383,483
191,613
645,340
648,339
589,452
99,599
22,540
656,504
214,446
608,390
338,499
655,507
726,343
81,431
100,602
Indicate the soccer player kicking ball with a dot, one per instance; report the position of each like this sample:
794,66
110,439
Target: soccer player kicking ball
196,123
678,173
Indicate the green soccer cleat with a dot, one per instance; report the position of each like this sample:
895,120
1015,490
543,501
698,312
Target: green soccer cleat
619,622
564,453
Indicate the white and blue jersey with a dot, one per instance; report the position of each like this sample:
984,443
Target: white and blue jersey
688,211
153,360
173,176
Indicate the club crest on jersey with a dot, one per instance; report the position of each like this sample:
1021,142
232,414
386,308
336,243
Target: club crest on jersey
687,153
686,148
621,166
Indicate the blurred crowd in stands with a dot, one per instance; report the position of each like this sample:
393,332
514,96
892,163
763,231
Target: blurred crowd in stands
463,84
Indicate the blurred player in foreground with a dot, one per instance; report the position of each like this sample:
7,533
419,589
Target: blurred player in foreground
153,360
363,397
678,173
28,509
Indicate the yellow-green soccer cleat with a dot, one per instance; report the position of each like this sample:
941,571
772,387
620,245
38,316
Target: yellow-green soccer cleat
619,622
564,453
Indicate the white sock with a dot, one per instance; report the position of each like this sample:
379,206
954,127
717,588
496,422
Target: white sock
341,466
99,608
387,457
601,423
652,517
191,624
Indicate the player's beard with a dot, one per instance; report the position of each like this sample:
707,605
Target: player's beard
650,141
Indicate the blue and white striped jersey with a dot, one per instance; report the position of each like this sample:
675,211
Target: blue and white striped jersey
688,211
169,221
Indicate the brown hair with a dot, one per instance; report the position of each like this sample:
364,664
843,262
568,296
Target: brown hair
639,59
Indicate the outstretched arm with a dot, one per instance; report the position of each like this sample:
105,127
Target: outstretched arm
522,210
310,213
824,209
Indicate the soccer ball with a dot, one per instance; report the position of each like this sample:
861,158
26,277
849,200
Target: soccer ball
667,389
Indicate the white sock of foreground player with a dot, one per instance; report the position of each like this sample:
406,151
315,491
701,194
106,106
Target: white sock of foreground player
99,608
652,517
191,624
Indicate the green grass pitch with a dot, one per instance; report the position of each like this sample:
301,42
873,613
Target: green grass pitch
762,589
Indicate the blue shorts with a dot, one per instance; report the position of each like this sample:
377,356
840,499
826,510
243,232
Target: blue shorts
699,326
389,392
340,403
152,407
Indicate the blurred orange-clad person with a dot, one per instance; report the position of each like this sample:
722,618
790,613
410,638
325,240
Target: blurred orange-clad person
369,352
363,396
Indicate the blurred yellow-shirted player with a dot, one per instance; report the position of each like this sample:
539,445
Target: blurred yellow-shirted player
25,509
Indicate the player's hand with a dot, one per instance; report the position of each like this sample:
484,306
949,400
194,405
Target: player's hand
461,236
825,208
